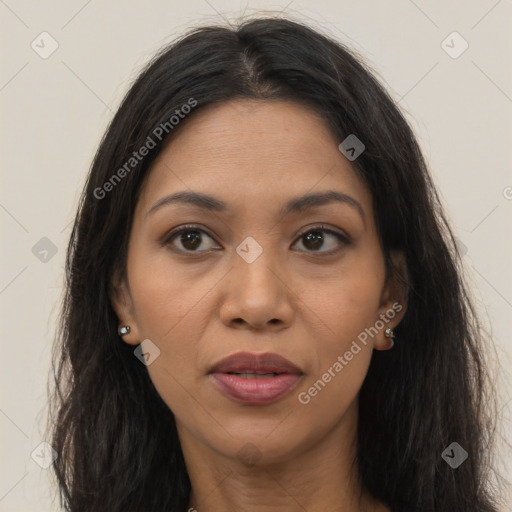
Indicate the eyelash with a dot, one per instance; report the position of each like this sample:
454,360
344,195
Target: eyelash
190,227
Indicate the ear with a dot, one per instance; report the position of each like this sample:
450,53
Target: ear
121,299
393,303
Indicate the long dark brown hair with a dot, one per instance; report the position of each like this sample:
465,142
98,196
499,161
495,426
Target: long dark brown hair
117,443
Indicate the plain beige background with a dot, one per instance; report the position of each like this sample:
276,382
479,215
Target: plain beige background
55,110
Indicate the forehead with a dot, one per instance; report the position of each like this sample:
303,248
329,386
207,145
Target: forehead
253,153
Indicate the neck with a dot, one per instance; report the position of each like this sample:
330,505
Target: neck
318,477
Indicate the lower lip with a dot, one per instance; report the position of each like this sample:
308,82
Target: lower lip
257,391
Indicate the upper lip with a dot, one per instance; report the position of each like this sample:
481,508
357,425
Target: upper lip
247,362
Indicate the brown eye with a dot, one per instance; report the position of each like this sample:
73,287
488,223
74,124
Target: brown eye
317,238
190,238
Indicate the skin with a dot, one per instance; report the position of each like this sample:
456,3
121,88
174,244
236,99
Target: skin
292,300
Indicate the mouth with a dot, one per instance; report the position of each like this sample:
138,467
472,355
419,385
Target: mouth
255,379
248,375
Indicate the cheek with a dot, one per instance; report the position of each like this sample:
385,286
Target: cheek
344,307
346,299
170,311
165,315
165,293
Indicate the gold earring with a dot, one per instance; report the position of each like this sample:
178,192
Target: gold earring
391,336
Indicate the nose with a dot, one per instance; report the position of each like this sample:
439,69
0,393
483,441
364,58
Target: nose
256,295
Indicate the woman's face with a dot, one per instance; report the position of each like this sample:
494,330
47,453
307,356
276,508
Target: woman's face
254,276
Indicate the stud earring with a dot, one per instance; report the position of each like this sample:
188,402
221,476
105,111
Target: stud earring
125,329
391,336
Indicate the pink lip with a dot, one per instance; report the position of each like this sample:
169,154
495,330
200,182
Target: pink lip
262,390
255,363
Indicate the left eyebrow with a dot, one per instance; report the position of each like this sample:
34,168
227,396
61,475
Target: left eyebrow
297,204
310,201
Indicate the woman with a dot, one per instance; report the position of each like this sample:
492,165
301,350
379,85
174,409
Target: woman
264,307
